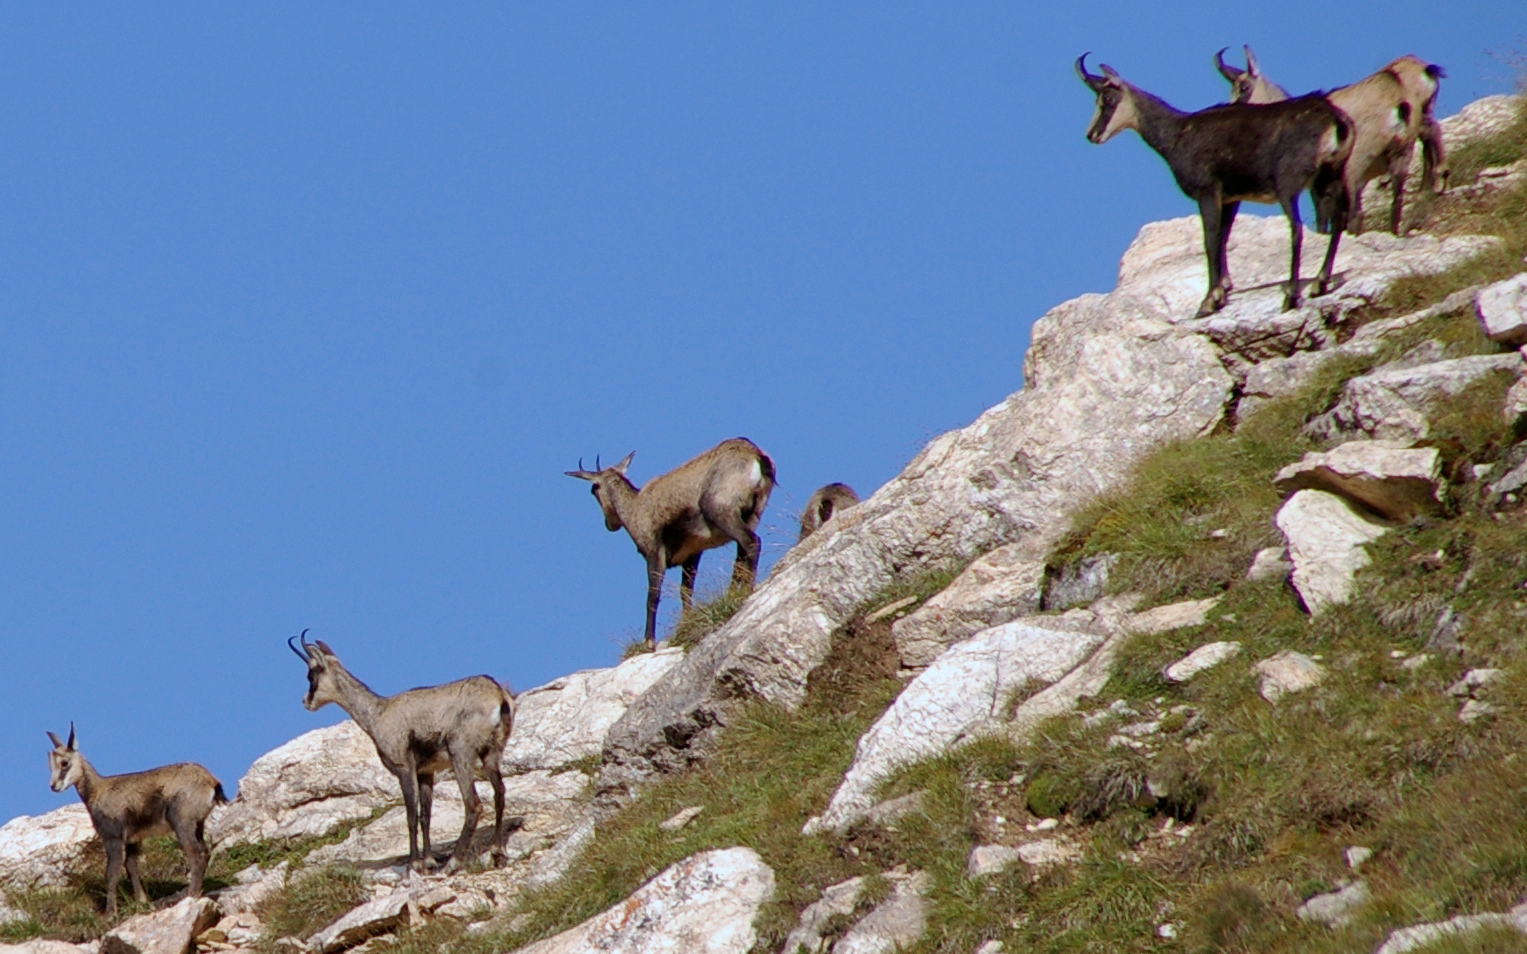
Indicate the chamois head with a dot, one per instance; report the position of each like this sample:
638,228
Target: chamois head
1249,85
600,477
1116,107
321,660
64,763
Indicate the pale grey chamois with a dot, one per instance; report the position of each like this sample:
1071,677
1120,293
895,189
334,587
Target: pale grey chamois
827,501
125,809
1225,155
1390,111
713,500
462,726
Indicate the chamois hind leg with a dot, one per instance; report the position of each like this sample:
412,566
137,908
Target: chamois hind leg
687,581
189,834
426,805
132,852
464,764
1295,241
1227,219
749,546
494,771
1399,169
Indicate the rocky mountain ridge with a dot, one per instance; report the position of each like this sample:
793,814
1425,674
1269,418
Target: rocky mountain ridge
1017,637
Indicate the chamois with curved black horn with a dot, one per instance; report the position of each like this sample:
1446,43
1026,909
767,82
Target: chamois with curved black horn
715,499
1390,110
828,500
125,809
462,726
1225,155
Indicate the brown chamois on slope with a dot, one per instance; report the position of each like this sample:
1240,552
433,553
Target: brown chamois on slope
1391,110
827,501
125,809
462,726
717,498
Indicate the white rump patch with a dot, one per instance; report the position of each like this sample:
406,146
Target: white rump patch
757,473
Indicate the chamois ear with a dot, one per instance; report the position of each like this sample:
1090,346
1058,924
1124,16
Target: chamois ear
1251,62
625,462
70,744
54,739
580,474
323,647
1108,72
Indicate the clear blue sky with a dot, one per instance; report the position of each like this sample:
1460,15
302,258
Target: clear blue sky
306,308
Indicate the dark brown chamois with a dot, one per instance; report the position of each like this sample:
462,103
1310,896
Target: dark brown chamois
1225,155
713,500
125,809
462,726
828,500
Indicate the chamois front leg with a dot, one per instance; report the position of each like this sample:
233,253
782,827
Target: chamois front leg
657,564
115,849
1210,211
408,779
426,782
1295,244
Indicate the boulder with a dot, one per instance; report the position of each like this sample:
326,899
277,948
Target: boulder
309,786
1287,672
682,818
1161,619
1420,935
1325,540
837,902
895,924
1079,583
552,864
705,904
41,850
988,860
966,690
170,931
252,887
1335,908
379,916
996,588
42,945
567,719
1204,657
1270,563
1397,402
1390,478
1502,310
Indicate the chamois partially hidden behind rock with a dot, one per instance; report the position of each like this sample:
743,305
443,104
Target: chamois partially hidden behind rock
125,809
1390,111
717,498
462,726
1225,155
827,501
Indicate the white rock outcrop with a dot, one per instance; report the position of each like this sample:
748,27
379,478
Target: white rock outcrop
1326,540
1391,478
996,588
705,904
42,945
837,902
40,850
1335,908
966,690
1270,563
1287,672
895,924
169,931
1502,310
379,916
1396,403
1204,657
1410,938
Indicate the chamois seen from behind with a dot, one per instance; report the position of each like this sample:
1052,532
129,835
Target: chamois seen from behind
828,500
125,809
1224,155
462,726
1390,111
715,499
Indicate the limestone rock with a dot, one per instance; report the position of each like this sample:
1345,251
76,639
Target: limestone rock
1335,909
1409,938
838,901
1474,680
378,916
170,931
895,924
252,887
1473,710
1287,672
681,819
1083,682
42,945
1396,403
1161,619
997,588
1502,310
1047,852
1325,539
242,929
1481,119
552,864
987,860
1270,563
1391,478
705,904
567,719
309,786
963,691
1357,856
40,850
1204,657
1079,583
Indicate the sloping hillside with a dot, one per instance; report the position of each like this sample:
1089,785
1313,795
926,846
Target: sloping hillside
1209,639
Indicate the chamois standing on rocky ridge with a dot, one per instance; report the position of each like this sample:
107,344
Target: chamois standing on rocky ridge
827,501
125,809
461,726
716,498
1390,111
1224,155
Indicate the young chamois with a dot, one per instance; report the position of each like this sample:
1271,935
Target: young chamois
1390,111
823,504
462,726
125,809
717,498
1224,155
